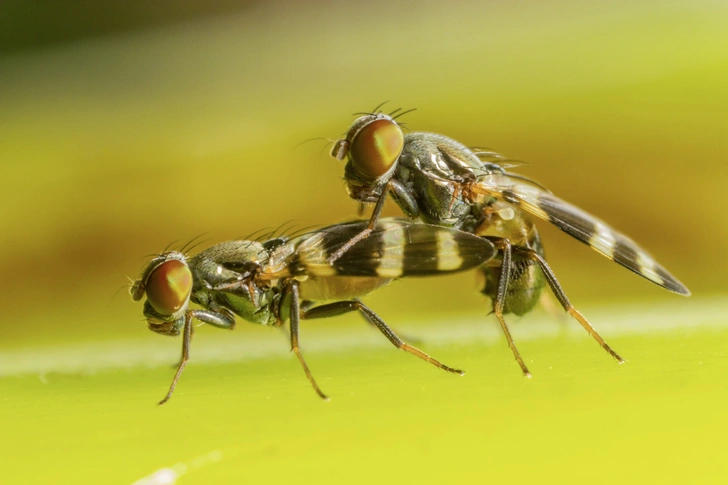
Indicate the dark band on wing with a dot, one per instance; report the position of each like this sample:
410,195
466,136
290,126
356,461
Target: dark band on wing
420,253
591,231
449,251
363,258
394,249
313,250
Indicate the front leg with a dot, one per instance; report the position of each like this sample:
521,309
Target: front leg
217,316
186,339
243,287
223,319
365,233
404,199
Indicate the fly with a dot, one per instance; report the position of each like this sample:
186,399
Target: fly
281,280
443,182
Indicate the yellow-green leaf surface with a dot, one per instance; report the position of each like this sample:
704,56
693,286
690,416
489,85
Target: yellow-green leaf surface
244,412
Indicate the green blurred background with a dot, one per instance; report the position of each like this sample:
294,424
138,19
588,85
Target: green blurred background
125,126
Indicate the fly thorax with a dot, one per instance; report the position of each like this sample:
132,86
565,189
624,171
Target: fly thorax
404,175
227,262
439,200
254,310
202,297
280,260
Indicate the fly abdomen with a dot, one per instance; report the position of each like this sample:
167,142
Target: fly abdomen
525,279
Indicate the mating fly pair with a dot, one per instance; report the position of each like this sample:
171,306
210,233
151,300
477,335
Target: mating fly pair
443,182
270,282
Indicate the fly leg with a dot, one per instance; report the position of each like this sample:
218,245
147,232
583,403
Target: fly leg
295,311
186,339
365,233
184,349
217,316
505,246
224,320
341,307
561,296
404,199
307,305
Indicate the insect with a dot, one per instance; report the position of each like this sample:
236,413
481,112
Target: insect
443,182
282,279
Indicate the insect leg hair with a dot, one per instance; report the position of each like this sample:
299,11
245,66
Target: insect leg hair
365,233
341,307
561,296
222,318
186,339
505,246
182,357
295,311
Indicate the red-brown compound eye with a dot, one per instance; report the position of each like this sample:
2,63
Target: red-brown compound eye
376,147
168,286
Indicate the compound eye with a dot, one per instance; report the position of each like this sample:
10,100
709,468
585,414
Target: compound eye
376,147
168,286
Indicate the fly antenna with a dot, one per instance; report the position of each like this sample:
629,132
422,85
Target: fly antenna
313,139
125,285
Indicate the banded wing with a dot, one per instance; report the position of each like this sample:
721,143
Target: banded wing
581,225
395,248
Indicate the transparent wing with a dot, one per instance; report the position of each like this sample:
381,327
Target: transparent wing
395,248
581,225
